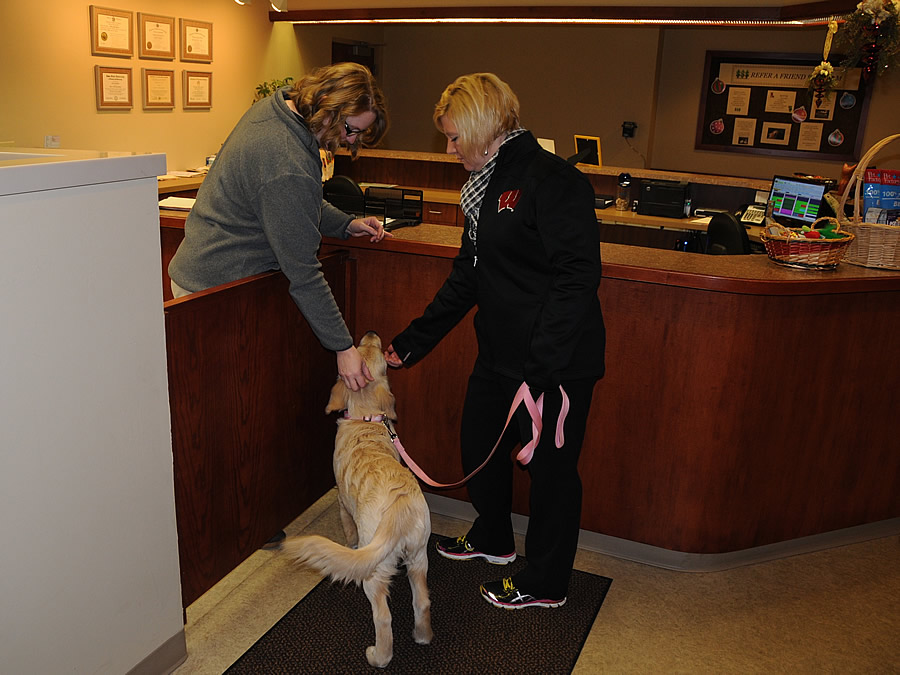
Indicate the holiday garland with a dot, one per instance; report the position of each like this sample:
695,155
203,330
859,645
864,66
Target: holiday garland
871,35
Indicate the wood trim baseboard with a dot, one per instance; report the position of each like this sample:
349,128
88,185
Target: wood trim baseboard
679,561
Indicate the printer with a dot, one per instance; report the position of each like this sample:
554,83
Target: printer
664,198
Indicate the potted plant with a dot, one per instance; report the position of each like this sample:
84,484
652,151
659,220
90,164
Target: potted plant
268,88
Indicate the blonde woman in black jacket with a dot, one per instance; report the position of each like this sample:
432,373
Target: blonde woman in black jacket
530,261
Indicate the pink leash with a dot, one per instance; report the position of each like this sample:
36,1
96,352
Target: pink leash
535,410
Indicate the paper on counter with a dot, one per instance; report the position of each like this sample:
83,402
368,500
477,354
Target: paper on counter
177,203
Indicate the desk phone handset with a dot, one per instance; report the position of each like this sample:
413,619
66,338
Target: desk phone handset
754,214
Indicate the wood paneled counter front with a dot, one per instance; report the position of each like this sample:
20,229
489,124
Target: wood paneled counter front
745,404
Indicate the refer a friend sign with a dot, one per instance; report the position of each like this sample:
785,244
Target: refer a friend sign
758,103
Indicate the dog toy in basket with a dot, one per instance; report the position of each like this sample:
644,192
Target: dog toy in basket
820,246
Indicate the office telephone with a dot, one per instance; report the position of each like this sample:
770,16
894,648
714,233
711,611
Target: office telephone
753,213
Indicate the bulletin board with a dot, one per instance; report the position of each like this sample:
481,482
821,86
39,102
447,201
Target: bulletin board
760,103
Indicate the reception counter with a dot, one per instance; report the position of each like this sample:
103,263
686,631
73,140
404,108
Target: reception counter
746,410
745,407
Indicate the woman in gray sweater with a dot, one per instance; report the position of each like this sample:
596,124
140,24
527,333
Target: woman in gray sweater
260,208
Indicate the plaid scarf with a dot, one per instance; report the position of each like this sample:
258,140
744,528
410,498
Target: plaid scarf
472,193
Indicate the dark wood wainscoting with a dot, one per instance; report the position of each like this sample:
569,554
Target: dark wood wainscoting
248,384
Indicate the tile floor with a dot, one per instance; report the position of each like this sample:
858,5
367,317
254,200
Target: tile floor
833,611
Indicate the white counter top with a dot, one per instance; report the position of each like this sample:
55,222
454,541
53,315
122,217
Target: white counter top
34,169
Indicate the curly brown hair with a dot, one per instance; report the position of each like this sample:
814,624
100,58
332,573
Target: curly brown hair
327,96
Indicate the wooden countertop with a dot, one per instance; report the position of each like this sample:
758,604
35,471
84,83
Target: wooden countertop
745,274
179,184
653,174
632,218
608,215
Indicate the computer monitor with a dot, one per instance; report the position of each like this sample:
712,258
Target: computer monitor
796,201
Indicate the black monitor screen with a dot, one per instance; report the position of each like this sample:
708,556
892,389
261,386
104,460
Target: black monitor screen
796,201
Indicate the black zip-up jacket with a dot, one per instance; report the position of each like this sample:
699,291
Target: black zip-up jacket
535,278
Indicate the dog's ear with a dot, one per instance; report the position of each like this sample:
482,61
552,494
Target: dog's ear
340,397
385,400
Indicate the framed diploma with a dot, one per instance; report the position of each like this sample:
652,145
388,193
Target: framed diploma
113,86
112,33
156,36
196,41
196,90
158,87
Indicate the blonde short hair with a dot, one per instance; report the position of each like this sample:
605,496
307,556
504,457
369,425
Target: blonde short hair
327,96
482,107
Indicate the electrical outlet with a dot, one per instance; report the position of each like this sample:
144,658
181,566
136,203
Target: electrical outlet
628,129
51,141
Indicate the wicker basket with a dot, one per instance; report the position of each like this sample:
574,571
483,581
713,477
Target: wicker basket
806,254
876,245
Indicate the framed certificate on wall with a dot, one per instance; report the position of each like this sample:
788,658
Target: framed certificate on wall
156,36
196,40
158,87
196,90
112,33
113,88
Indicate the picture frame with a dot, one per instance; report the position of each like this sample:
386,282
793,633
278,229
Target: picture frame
196,90
158,87
590,145
156,36
113,87
112,32
196,40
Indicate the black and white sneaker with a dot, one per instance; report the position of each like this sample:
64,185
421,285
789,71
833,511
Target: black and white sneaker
504,594
458,548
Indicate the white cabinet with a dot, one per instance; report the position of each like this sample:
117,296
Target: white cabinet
89,563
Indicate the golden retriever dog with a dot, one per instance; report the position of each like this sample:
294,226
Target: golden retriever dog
385,517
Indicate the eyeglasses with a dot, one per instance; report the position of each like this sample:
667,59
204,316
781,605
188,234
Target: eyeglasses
350,131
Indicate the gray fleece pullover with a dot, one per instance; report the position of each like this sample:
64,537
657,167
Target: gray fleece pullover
260,208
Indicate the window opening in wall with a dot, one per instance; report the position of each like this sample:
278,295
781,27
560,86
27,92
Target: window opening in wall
355,52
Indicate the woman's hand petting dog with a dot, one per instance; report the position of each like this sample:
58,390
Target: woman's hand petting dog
391,357
352,369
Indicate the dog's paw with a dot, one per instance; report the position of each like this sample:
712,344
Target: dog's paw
422,635
374,660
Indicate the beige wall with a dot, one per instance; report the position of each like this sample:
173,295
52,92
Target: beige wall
588,80
584,80
571,80
46,84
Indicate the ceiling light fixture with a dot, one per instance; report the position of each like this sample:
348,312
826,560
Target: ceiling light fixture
737,23
244,2
279,5
797,16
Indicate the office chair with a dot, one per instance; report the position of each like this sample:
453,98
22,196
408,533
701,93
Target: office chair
725,235
345,194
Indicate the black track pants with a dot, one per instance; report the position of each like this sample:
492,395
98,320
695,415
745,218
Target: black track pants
555,495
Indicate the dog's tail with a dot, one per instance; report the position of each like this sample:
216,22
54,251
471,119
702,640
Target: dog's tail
342,563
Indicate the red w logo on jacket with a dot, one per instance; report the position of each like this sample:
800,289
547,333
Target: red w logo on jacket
508,200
